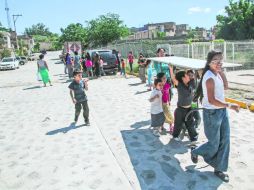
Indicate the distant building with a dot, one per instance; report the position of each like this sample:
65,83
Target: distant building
150,31
182,29
169,28
201,33
6,39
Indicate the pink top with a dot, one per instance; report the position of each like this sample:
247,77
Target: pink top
165,93
130,58
89,63
101,62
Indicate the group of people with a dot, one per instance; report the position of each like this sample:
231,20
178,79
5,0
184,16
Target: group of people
90,66
210,92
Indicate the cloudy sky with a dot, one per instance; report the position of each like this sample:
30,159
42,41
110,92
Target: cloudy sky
59,13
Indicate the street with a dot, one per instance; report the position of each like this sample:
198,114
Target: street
40,149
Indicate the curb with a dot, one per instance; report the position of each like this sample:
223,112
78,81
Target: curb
242,104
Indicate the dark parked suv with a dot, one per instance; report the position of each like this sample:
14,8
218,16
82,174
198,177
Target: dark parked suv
109,59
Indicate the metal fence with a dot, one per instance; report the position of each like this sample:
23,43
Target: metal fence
234,51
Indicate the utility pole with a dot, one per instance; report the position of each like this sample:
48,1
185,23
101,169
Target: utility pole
15,17
8,14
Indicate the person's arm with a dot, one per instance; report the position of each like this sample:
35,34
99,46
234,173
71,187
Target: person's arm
153,97
212,100
224,78
86,84
172,75
46,65
72,97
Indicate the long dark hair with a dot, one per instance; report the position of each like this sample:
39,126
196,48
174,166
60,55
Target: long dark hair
199,92
88,57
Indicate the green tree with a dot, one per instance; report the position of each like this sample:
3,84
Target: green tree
38,29
2,28
161,35
74,32
105,29
238,23
37,47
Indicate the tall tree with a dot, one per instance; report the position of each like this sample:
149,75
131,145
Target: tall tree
38,29
2,28
238,23
105,29
74,32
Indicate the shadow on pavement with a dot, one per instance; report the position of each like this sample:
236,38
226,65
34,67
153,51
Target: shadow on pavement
31,88
142,92
136,84
157,166
140,124
65,129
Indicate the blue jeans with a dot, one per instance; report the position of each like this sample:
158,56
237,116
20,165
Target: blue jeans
216,151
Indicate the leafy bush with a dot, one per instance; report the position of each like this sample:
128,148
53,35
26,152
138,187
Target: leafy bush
5,53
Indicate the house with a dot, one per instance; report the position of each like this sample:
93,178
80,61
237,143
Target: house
169,28
6,39
201,33
182,29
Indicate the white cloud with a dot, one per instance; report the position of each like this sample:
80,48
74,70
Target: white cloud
198,10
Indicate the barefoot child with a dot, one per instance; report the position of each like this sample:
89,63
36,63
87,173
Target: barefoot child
157,115
166,100
78,96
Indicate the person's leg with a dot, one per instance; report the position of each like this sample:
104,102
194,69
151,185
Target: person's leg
85,112
212,125
190,126
224,147
77,111
65,69
196,116
144,74
179,122
130,67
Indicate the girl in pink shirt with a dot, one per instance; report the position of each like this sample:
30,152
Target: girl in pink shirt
89,65
166,100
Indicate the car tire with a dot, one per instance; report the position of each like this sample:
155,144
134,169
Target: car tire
22,63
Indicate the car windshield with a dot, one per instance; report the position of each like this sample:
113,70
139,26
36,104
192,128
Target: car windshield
7,60
18,58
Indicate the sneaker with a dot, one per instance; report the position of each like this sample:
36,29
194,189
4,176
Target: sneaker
194,158
87,123
74,123
156,132
163,131
177,139
224,177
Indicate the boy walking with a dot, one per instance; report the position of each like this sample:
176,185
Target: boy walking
78,96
